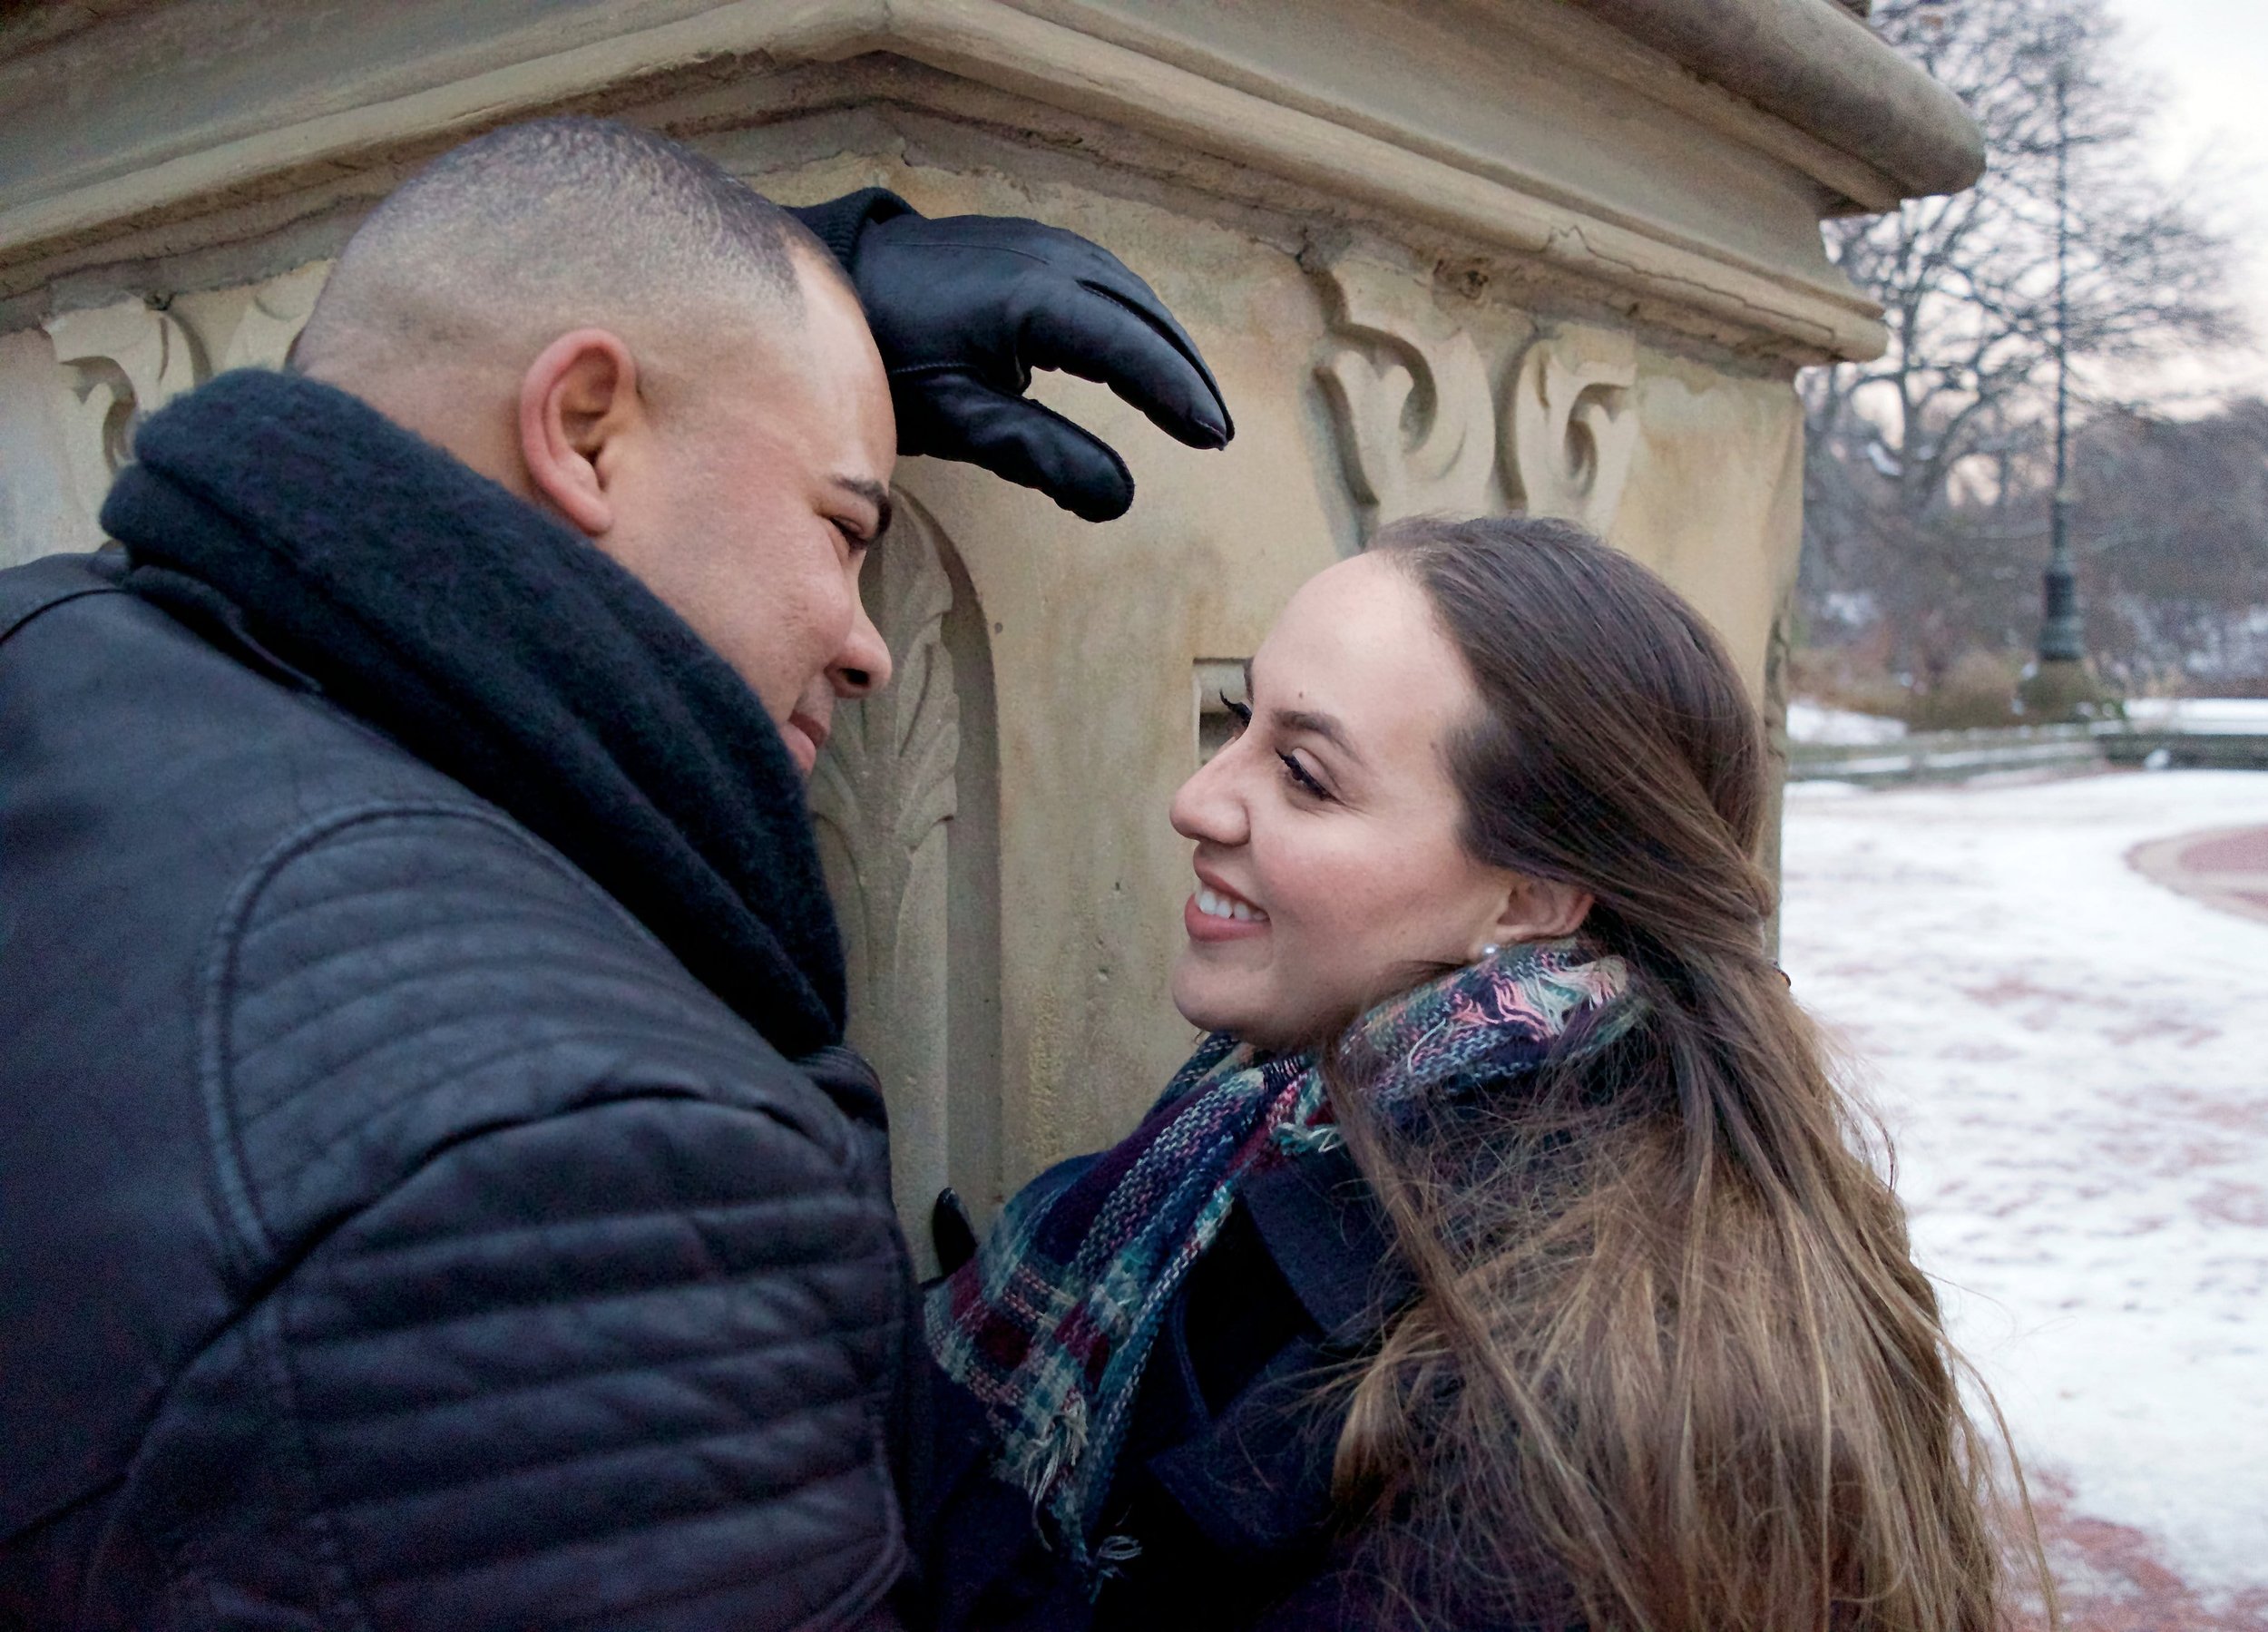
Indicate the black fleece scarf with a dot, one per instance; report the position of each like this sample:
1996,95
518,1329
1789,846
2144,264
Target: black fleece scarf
505,650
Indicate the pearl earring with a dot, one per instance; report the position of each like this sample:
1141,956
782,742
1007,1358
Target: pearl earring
1489,951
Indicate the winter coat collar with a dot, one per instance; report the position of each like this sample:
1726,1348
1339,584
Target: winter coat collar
508,653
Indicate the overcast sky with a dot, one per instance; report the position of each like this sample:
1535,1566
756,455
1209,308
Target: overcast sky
2211,58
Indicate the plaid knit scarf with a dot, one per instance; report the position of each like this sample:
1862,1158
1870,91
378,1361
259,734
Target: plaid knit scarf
1051,1324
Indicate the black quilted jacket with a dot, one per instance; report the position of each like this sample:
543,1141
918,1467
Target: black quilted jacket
392,1232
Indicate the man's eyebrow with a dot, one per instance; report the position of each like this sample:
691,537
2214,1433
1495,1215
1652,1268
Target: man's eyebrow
875,494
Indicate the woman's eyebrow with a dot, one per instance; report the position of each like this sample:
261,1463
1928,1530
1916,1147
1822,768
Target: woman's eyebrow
1324,726
1319,725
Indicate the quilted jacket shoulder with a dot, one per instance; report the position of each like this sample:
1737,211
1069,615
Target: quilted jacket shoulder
399,1237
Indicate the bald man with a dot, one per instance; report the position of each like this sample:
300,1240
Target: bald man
432,1190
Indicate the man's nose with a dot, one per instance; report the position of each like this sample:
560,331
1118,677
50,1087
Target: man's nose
1209,807
863,665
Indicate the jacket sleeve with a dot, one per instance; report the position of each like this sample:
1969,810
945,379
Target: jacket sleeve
622,1368
572,1304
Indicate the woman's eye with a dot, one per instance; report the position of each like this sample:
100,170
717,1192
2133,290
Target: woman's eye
1239,712
1300,778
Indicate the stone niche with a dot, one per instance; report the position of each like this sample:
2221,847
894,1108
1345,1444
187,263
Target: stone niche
1453,256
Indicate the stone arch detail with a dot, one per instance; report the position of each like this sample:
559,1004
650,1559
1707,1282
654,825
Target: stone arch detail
906,799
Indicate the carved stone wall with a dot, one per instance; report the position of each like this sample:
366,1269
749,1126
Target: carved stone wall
115,363
888,797
1410,399
1415,412
1572,426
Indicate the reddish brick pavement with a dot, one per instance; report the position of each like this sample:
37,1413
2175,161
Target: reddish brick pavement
2112,1577
2226,867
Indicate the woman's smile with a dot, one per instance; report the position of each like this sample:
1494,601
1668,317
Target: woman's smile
1216,913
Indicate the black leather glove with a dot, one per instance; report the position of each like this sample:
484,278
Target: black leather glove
965,308
950,1231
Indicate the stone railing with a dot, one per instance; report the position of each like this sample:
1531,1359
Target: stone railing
1948,756
2167,742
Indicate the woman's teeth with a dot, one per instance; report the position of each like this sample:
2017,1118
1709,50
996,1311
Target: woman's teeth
1214,904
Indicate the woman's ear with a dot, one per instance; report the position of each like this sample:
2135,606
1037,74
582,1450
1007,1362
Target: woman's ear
1540,909
579,406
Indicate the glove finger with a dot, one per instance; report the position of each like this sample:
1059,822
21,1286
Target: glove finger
1077,307
1102,273
1121,335
952,416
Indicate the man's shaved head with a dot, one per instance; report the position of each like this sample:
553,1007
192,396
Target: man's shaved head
537,229
616,331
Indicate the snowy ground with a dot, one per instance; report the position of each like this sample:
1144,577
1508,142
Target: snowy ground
2073,1061
2202,714
1838,728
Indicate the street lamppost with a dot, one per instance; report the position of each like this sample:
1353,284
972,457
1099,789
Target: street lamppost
2062,644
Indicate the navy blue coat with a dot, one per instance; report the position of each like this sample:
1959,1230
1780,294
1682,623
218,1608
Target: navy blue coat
1225,1479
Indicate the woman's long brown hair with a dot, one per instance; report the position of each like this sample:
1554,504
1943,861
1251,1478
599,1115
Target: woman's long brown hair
1672,1367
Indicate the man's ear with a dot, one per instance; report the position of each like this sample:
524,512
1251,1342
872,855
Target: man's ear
1540,909
579,407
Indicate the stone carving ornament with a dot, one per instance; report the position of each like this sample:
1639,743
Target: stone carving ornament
1417,422
1572,427
115,363
270,317
1410,398
883,796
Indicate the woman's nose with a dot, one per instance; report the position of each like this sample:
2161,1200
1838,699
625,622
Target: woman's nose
1208,808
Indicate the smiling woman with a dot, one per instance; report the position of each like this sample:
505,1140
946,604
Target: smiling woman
1505,1256
1331,822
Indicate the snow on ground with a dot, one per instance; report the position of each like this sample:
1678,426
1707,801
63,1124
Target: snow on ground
1839,728
2201,714
2073,1061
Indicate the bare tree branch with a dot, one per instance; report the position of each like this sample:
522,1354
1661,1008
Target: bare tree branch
1916,462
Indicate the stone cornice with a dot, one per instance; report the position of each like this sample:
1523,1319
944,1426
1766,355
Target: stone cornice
1821,69
1110,64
